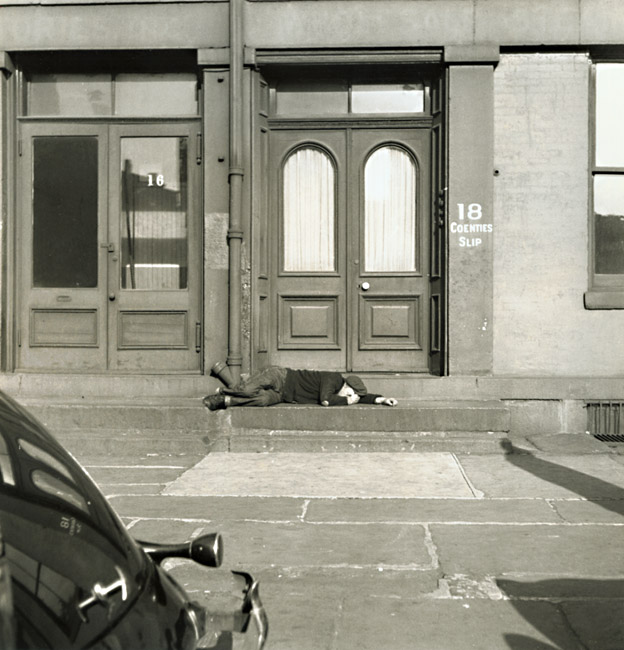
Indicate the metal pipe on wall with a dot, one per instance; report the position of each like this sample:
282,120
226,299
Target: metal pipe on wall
236,173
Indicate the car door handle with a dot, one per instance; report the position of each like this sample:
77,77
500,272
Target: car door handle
100,594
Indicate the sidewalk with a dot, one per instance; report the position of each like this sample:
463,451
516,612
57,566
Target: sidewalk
521,549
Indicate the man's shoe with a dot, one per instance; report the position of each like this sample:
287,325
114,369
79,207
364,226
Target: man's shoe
214,402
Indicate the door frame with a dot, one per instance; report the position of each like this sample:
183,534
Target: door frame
348,123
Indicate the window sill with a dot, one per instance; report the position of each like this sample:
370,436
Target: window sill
596,299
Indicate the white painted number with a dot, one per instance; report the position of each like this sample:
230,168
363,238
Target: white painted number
475,211
160,180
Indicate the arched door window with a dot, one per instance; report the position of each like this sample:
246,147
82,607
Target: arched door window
309,211
390,200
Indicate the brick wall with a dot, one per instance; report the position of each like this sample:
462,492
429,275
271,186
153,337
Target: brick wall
541,199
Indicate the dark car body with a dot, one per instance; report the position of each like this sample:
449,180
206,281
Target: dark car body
77,577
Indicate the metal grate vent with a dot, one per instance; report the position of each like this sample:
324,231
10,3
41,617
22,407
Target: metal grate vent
606,438
605,421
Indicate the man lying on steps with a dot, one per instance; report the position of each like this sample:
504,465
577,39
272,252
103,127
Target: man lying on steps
276,384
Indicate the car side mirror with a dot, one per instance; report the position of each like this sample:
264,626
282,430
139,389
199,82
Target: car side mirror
206,550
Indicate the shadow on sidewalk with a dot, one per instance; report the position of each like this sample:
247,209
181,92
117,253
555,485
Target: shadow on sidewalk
595,606
573,614
602,493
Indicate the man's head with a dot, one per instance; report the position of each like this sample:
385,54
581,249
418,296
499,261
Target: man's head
357,384
348,392
352,389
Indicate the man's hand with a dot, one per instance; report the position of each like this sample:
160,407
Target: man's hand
388,401
353,399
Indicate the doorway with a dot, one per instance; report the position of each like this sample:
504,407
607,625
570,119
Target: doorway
109,247
350,223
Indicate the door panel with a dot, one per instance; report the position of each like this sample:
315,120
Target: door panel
153,232
62,278
110,248
388,239
308,172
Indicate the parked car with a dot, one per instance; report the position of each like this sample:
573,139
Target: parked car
77,577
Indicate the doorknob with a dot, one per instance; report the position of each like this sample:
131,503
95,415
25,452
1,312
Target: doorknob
365,286
111,296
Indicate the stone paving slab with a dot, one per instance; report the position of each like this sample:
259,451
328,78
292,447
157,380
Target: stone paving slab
163,531
331,545
449,625
524,475
555,587
432,510
324,475
112,490
298,545
284,582
142,459
209,508
134,474
568,443
598,624
532,549
579,511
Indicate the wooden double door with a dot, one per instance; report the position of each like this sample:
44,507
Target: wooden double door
109,247
351,219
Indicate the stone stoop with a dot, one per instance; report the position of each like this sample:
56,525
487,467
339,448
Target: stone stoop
183,426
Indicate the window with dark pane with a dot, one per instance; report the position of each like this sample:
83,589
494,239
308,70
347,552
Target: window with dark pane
65,206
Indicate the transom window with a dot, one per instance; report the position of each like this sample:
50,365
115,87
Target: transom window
328,96
104,95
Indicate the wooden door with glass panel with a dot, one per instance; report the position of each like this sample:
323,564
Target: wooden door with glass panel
154,249
308,181
109,272
388,281
62,274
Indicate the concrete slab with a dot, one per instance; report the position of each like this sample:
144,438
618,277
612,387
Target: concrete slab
568,443
112,490
134,474
143,458
299,545
450,624
324,475
163,532
579,551
209,508
431,510
579,511
599,624
296,546
529,475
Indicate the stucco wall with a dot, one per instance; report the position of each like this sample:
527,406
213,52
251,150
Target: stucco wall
541,226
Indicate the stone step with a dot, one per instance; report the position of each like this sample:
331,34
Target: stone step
190,415
174,426
117,443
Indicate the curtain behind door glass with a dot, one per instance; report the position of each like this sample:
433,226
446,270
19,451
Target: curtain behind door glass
390,211
65,219
309,211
